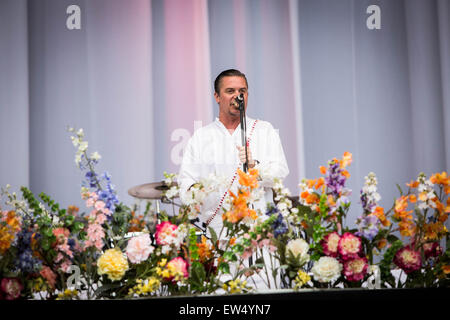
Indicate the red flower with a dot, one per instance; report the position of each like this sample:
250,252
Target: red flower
356,269
330,244
11,287
432,249
349,246
408,259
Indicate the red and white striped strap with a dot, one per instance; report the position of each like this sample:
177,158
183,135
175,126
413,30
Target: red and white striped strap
232,181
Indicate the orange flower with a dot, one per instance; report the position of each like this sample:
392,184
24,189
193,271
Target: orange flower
412,198
8,230
433,231
12,220
401,204
323,170
311,198
446,269
320,182
240,209
345,173
346,160
407,228
440,178
204,250
331,201
311,183
249,179
379,213
381,244
73,210
413,184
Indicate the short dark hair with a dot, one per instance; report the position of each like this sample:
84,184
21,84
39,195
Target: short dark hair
228,73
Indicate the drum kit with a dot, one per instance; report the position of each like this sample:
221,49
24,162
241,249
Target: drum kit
155,191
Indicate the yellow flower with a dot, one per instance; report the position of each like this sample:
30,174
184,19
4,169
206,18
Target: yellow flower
68,294
235,286
301,279
112,263
145,287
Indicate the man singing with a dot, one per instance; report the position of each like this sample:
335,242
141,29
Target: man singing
217,149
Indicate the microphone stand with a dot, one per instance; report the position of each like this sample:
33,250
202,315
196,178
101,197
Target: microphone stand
244,133
244,143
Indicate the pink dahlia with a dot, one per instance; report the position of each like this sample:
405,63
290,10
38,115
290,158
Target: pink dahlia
11,287
349,246
165,232
408,259
356,269
330,244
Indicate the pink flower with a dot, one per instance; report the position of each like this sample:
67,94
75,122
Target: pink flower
247,253
164,232
139,248
349,246
61,234
90,202
95,235
178,266
11,287
100,219
99,205
330,244
356,269
408,259
48,275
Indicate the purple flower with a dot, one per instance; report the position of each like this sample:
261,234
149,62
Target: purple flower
368,226
334,180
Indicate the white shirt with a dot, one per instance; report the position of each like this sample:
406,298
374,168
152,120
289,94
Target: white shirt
212,150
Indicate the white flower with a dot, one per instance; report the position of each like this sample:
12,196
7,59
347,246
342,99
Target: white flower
80,133
172,192
83,146
95,156
75,141
326,269
299,248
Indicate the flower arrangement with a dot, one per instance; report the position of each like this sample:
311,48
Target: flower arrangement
109,250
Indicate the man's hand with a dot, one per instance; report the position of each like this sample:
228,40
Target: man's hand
251,162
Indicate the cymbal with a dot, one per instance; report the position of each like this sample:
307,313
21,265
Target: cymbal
152,190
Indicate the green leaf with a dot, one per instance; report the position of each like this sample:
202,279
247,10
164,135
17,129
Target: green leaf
213,235
399,189
198,275
69,220
224,268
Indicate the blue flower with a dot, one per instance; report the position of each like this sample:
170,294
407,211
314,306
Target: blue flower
279,226
25,261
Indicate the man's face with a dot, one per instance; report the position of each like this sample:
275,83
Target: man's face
230,88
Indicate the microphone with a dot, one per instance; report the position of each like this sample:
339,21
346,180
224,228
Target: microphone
240,101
